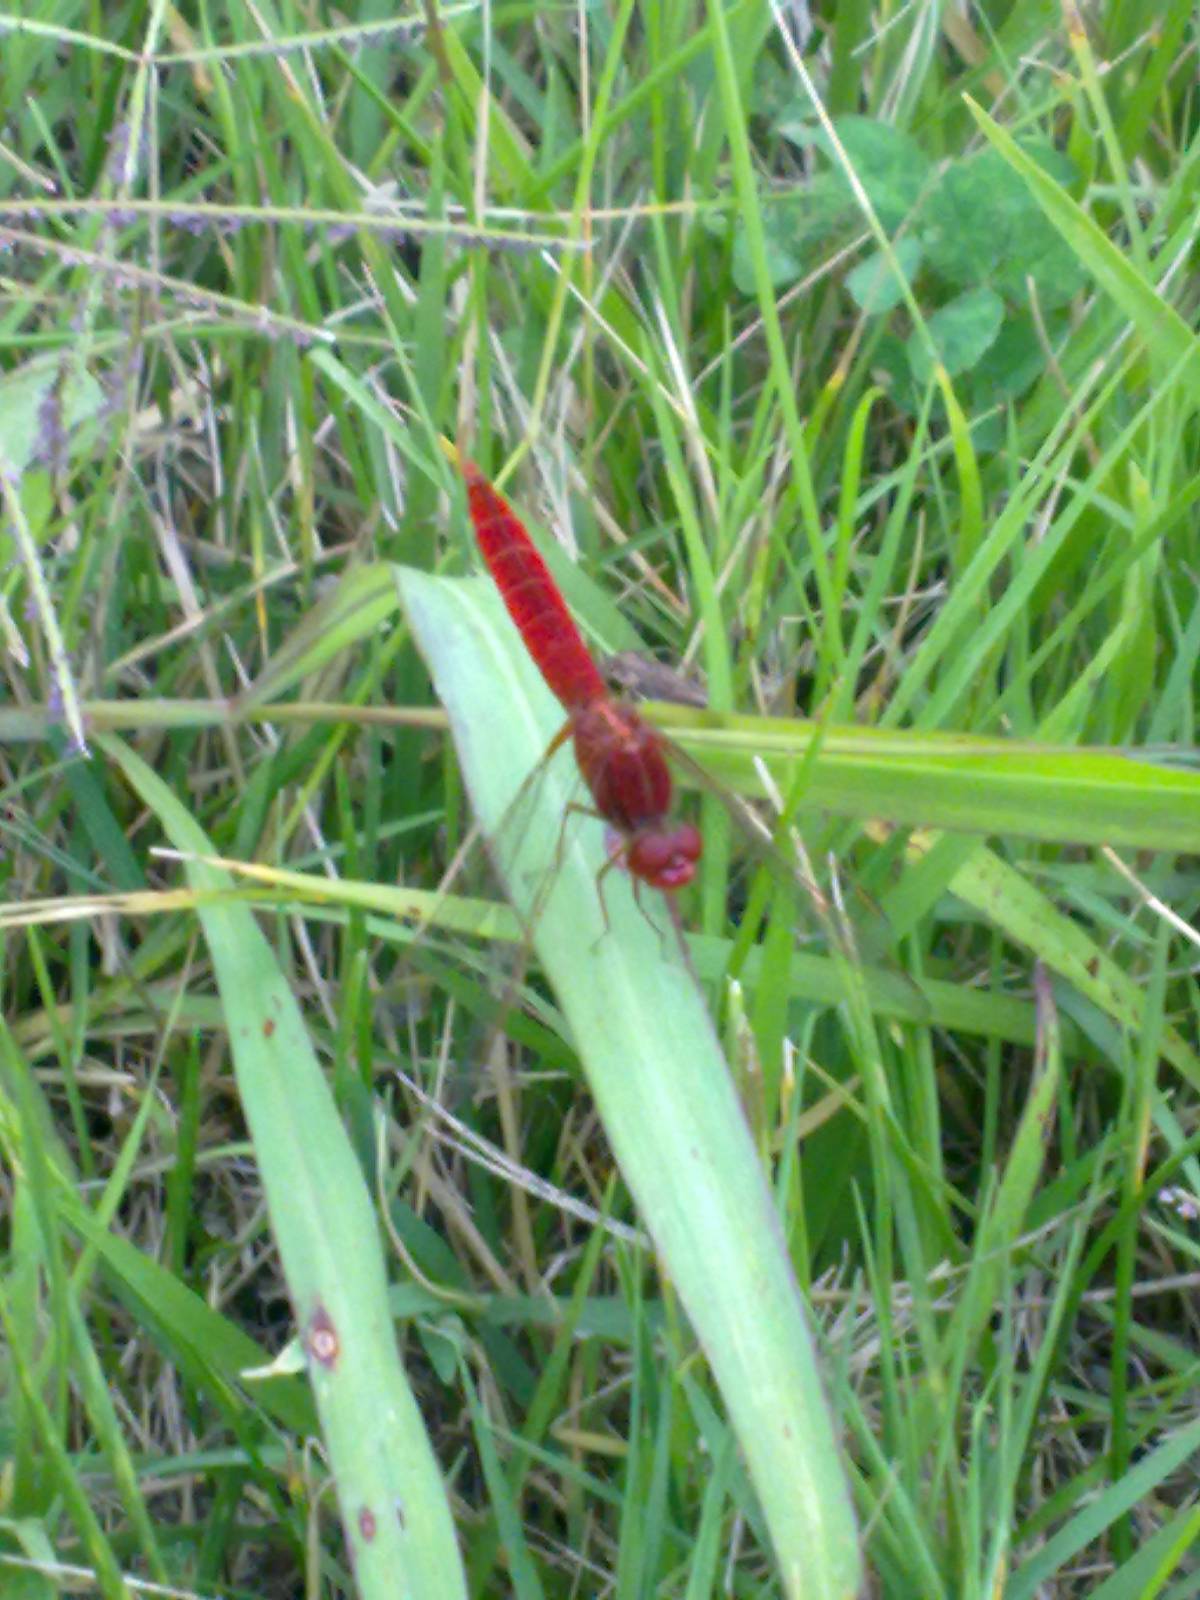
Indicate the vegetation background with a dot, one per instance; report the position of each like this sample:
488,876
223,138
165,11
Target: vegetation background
842,355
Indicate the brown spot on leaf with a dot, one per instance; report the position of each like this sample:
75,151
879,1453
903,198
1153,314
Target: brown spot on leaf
366,1523
323,1343
268,1027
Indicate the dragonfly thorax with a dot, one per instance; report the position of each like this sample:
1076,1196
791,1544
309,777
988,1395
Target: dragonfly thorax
622,761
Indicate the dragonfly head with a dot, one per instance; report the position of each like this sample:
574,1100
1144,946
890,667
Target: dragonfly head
665,858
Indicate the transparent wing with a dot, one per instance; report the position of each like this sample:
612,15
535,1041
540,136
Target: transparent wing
853,926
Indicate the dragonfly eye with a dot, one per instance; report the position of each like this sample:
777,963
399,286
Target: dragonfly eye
665,860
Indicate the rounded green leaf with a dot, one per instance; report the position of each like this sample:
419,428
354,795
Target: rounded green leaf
961,332
876,286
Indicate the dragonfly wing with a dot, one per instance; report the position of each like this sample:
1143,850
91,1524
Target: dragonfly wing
865,936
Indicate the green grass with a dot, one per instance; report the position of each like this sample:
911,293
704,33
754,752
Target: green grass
379,1216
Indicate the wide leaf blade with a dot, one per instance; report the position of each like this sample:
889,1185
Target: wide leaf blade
657,1075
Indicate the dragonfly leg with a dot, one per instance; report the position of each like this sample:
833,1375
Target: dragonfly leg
559,739
638,886
606,868
580,809
616,859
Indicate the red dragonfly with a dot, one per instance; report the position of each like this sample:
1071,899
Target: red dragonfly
621,757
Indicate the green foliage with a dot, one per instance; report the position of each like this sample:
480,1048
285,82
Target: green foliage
885,425
971,247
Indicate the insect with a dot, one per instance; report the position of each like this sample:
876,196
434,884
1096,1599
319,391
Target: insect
621,757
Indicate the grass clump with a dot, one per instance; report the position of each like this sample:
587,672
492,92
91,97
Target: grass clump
375,1219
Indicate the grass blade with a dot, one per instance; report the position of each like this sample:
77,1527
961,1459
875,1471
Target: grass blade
393,1503
658,1078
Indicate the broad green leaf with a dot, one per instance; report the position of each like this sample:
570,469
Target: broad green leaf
784,265
1015,360
889,163
981,225
962,331
1166,335
29,408
657,1075
875,286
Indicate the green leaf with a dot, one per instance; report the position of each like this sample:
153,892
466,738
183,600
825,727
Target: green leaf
657,1074
1098,1511
875,286
962,331
784,265
394,1508
24,396
889,163
352,609
1015,360
981,225
973,785
1164,332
